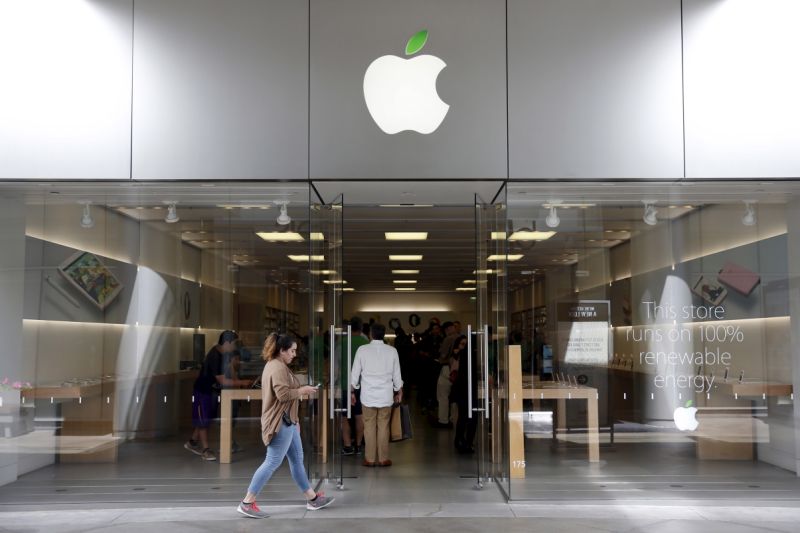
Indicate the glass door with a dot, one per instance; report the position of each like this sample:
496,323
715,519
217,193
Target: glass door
324,262
488,341
331,340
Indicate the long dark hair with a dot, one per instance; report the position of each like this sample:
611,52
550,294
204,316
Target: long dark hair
274,344
455,345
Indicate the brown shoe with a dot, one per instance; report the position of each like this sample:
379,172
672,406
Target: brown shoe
387,462
368,463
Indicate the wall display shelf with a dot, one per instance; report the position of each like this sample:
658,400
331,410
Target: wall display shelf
281,321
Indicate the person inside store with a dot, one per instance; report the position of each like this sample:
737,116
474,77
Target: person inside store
446,378
465,426
281,393
205,395
376,372
356,420
429,366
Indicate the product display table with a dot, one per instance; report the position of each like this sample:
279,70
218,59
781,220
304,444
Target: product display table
561,393
250,395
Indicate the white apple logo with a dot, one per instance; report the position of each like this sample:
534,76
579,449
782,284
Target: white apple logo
684,417
401,93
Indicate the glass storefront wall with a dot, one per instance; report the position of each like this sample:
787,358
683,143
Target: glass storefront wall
110,305
639,336
655,326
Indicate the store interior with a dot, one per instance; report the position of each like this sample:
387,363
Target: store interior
665,307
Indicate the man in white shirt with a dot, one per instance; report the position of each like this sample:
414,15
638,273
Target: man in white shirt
376,371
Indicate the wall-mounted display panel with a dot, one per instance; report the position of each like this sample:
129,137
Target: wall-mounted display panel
65,96
220,90
594,89
363,82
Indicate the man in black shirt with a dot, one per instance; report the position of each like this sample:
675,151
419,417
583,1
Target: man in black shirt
206,389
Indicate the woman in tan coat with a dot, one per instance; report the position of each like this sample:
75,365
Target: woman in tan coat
281,393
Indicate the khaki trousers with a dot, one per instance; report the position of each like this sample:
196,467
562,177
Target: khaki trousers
376,433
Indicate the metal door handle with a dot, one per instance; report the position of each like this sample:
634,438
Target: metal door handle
330,378
469,371
349,369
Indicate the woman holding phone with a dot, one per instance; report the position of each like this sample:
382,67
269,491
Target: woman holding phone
280,399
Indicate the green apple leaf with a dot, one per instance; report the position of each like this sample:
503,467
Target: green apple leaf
416,42
689,403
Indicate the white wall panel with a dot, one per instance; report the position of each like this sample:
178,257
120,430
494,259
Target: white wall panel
65,89
742,87
595,89
220,89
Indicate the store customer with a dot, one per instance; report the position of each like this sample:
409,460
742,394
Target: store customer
205,395
376,372
280,399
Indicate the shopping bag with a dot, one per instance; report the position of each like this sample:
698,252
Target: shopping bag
396,424
405,421
400,424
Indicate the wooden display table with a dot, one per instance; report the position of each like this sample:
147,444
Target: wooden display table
729,433
89,411
544,390
254,395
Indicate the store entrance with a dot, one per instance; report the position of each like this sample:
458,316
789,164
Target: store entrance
426,261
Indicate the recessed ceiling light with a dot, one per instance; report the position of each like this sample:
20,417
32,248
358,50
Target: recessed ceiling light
305,258
531,235
469,282
348,289
405,271
510,257
280,236
406,235
324,272
405,205
244,206
405,288
405,258
487,271
465,289
556,203
316,236
404,281
334,282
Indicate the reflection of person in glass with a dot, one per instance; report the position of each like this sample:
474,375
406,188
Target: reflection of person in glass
281,393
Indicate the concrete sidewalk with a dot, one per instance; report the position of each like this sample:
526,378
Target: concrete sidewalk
455,517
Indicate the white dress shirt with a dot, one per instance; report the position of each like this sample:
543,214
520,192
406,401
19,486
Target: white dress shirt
376,371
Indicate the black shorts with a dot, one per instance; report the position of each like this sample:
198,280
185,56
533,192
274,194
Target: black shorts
355,409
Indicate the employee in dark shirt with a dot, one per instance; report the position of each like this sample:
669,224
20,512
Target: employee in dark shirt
206,388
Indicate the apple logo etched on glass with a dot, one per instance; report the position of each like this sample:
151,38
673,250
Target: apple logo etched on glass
401,93
684,417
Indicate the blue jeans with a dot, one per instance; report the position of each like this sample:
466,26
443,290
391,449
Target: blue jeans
286,443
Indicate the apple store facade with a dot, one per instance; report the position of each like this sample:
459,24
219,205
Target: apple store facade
605,195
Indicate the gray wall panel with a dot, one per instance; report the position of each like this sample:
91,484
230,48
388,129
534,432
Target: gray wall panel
742,87
469,36
595,89
65,94
220,89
